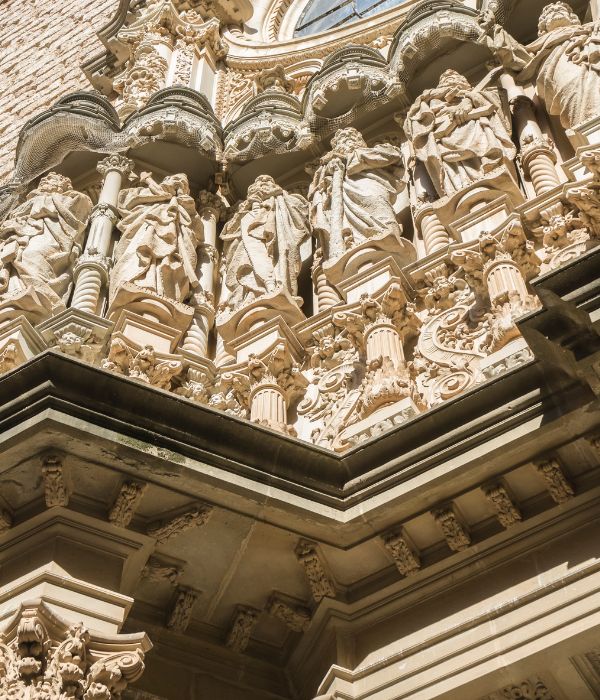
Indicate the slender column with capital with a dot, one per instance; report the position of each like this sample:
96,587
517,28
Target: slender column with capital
504,281
537,150
210,208
91,270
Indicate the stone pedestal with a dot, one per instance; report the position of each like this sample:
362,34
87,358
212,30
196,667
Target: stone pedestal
77,333
19,342
368,253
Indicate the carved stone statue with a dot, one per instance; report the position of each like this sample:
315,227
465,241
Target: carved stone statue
353,192
262,243
458,132
39,242
161,232
565,58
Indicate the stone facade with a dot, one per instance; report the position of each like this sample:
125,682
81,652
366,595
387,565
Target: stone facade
42,46
299,351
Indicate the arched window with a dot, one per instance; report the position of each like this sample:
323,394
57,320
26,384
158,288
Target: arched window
320,15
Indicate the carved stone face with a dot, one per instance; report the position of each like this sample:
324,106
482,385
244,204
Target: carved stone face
263,188
178,182
346,141
53,182
452,79
556,16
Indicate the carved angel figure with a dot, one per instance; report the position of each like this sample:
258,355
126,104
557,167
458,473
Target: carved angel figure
458,132
39,242
161,232
353,192
262,243
565,58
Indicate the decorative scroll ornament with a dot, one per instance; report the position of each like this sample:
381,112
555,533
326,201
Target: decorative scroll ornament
335,371
43,658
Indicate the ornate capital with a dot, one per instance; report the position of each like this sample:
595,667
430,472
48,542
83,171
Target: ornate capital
41,655
115,162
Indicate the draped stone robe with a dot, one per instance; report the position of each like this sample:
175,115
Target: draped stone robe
262,247
456,154
158,249
39,243
352,197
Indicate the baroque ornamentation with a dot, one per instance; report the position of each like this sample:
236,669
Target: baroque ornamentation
262,241
564,62
455,533
143,365
55,488
128,499
241,629
42,657
319,580
353,192
161,233
556,482
167,529
183,607
405,557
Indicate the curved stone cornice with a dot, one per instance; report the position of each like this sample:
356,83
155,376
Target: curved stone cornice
351,77
85,121
271,122
181,115
425,30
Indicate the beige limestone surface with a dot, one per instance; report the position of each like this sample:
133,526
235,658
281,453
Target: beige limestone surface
42,44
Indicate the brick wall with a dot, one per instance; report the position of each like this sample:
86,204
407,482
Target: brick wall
42,45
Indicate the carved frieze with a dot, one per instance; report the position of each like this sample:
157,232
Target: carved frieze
167,529
319,580
244,621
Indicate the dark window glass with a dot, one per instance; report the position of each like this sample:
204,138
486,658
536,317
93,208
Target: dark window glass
320,15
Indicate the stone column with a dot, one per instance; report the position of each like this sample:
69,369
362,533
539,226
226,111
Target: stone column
268,405
91,270
274,380
383,340
433,232
325,295
537,150
196,340
595,8
504,280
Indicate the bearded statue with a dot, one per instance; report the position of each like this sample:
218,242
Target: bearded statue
262,244
353,193
161,233
564,60
39,243
458,132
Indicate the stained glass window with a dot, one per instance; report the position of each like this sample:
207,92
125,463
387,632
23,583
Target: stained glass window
320,15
